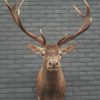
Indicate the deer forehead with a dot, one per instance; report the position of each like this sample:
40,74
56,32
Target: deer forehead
52,50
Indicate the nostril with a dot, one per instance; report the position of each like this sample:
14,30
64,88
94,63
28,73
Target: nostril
56,63
49,63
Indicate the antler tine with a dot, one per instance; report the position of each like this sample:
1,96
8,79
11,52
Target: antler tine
80,13
20,7
43,36
86,24
15,13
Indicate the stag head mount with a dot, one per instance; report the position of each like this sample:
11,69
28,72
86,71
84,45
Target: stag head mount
51,53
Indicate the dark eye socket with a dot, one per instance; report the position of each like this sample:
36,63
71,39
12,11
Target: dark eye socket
43,53
60,54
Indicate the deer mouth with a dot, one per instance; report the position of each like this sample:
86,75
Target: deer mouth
52,69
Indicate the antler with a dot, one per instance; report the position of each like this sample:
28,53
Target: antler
86,24
15,13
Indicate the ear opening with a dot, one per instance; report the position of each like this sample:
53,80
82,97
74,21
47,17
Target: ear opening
68,49
34,48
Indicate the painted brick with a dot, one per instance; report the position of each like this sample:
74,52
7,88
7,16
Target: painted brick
19,65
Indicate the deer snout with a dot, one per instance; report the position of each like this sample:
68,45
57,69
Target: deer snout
53,63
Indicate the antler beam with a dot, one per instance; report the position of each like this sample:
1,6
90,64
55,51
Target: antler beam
86,24
15,13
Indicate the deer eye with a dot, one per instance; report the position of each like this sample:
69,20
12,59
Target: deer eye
43,53
60,53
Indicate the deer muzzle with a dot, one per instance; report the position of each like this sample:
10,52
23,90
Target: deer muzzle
53,65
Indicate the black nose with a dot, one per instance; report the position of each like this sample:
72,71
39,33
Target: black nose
53,63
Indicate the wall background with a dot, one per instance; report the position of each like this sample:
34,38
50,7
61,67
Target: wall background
19,66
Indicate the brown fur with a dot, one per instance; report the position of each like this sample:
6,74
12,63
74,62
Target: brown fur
50,85
50,82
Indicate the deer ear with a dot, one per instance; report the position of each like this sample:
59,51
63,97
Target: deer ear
35,49
68,49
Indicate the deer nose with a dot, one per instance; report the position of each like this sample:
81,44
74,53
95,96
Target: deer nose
53,63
